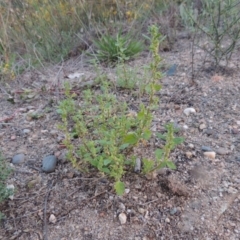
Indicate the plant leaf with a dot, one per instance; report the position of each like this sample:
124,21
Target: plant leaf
178,140
159,153
171,165
148,165
106,162
119,187
131,138
161,136
147,134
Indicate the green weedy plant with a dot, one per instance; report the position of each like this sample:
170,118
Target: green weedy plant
105,131
119,48
218,22
4,173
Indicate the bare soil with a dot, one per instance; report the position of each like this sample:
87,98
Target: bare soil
200,200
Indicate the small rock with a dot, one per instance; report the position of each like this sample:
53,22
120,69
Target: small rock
26,131
235,131
172,70
238,158
185,127
206,149
127,190
238,122
137,167
49,163
122,207
167,220
191,145
52,219
187,111
18,159
202,126
189,154
209,132
173,211
122,218
210,155
13,137
141,210
11,187
222,151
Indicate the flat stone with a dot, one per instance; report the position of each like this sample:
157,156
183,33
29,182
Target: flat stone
18,159
173,211
189,155
202,126
210,155
122,218
49,163
26,131
188,111
222,151
206,149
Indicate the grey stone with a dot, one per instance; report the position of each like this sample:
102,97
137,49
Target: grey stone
206,149
137,167
49,163
18,159
26,131
222,151
173,211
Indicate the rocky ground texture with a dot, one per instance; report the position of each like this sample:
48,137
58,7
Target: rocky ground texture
200,200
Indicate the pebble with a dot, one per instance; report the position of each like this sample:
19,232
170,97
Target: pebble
187,111
141,210
189,154
210,155
167,220
238,158
11,187
49,163
173,211
206,149
137,167
222,151
191,145
185,127
122,218
235,131
18,159
52,219
202,126
26,131
122,207
172,70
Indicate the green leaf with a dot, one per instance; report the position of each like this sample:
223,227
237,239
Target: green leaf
124,146
178,140
163,165
119,187
171,165
131,138
157,87
159,153
148,165
106,162
147,134
105,170
161,136
141,115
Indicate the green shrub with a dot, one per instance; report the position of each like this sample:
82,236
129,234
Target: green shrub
107,132
218,24
4,173
119,48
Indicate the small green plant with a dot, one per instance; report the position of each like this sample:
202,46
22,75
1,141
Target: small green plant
162,155
4,173
106,133
119,48
218,24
